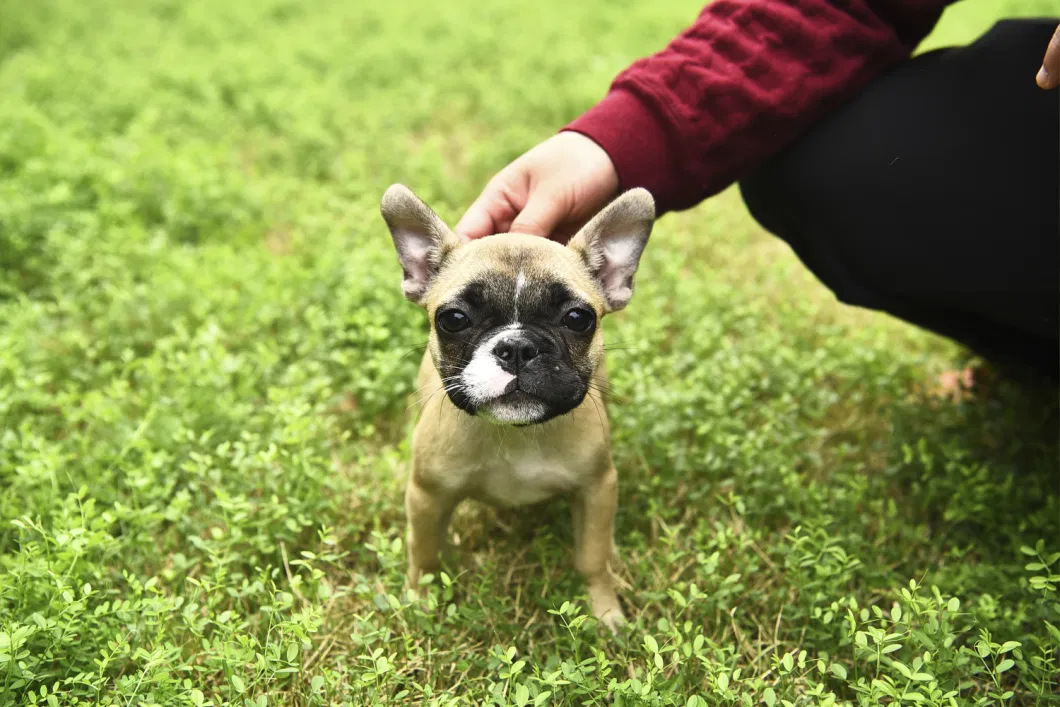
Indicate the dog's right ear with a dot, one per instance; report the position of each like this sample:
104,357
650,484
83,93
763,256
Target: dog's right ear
422,239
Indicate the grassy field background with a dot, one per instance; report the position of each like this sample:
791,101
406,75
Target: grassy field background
203,374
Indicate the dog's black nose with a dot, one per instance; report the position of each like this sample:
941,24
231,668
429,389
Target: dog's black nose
516,351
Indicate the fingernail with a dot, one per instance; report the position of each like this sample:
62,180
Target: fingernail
1043,77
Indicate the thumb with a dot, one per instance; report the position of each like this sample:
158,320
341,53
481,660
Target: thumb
542,213
478,222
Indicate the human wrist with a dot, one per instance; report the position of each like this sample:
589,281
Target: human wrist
634,139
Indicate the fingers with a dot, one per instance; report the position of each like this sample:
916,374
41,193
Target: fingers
497,212
497,206
478,222
543,212
546,192
1049,75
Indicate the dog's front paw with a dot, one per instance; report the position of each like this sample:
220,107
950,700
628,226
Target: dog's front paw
613,619
606,608
413,577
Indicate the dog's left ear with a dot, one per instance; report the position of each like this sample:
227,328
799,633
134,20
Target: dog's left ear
421,238
612,242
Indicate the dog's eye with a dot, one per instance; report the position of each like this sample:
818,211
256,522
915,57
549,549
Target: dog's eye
453,320
579,320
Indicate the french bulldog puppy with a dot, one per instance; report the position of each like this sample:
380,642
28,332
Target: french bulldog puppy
511,410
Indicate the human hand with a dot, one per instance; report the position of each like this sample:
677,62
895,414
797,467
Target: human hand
1049,74
551,190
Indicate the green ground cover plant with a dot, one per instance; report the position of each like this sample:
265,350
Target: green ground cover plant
205,358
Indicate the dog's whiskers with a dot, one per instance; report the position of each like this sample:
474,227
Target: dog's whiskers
413,350
605,390
599,411
422,387
442,386
423,401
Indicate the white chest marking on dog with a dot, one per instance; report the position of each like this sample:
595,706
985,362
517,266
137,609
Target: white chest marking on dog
527,476
520,283
483,379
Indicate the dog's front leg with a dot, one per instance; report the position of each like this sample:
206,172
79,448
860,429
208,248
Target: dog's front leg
428,522
593,520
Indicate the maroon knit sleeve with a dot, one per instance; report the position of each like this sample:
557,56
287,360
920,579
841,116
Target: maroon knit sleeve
741,83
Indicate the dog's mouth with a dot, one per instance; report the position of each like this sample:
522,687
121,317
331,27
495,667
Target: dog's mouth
515,393
515,396
515,407
531,395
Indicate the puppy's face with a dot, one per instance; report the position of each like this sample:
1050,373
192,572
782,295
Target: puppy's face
515,319
515,333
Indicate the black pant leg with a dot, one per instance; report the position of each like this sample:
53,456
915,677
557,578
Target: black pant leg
934,196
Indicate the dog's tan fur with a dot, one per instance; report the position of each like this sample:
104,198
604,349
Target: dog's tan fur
457,456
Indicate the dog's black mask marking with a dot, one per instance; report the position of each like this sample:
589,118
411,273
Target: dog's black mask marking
555,378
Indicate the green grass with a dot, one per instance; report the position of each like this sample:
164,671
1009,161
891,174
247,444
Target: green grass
203,374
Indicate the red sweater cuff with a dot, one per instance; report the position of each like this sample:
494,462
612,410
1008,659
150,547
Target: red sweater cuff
638,143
